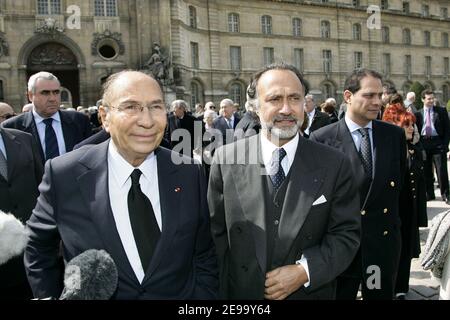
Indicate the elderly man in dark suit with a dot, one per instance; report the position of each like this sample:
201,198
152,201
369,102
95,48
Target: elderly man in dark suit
20,174
56,131
434,128
316,118
296,228
377,151
126,196
227,121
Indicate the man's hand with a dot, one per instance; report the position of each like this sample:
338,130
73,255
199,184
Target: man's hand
281,282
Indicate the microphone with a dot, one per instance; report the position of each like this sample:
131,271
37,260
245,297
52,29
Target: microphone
92,275
13,237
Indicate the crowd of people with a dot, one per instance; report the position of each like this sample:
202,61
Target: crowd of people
287,200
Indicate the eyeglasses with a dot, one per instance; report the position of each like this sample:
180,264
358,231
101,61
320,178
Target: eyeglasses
7,116
137,108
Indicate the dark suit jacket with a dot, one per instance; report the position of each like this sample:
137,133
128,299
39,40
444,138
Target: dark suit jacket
75,127
441,124
18,195
379,206
74,205
247,126
320,120
187,123
221,124
327,233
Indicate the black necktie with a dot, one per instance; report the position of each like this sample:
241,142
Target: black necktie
365,151
51,143
276,171
143,222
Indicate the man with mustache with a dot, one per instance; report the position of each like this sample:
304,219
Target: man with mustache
284,210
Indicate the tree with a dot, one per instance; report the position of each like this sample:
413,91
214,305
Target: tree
417,88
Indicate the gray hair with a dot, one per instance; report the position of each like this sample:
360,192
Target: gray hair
309,96
227,101
177,104
411,95
40,75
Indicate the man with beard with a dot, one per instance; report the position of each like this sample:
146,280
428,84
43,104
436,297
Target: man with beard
296,228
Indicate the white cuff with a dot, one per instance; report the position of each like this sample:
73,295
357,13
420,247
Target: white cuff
304,262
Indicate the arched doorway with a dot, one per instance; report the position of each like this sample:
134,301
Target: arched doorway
59,60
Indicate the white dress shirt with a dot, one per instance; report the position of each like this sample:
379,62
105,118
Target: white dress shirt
353,128
56,124
267,149
119,184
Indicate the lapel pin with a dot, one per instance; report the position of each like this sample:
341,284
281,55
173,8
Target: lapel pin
177,189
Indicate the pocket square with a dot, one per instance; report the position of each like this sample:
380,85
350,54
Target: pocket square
320,200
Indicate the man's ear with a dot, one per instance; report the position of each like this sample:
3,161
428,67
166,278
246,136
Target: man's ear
30,96
104,116
348,96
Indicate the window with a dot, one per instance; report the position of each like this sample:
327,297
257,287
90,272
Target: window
385,34
296,27
2,95
444,13
425,10
192,17
384,4
326,61
356,3
196,93
105,8
408,70
49,6
358,60
428,65
446,67
269,56
356,31
426,37
324,1
444,39
194,55
266,24
325,29
233,22
406,36
235,58
298,59
327,90
236,93
406,7
386,69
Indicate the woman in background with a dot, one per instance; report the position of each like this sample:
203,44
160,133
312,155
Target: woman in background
413,207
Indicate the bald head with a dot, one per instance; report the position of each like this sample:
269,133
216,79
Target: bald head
120,80
6,111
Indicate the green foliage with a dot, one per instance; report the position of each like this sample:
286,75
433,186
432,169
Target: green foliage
448,105
417,88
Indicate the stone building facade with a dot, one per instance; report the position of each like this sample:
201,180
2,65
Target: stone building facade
207,49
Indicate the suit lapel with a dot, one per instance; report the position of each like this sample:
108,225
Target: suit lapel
29,126
67,129
168,183
94,188
303,185
252,173
13,150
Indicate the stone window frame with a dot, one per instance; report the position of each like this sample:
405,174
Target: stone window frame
297,27
105,8
266,24
233,22
48,7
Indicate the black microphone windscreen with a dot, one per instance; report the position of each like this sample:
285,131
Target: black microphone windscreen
92,275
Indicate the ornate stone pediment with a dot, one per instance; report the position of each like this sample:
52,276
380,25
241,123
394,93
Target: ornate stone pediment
50,27
107,37
52,54
4,47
